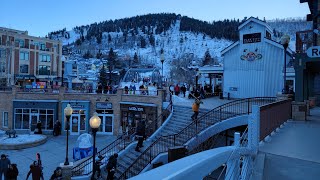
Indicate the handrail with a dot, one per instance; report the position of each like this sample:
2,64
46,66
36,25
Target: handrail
84,168
160,145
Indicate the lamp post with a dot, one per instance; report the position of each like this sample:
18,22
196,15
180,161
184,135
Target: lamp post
94,122
285,39
67,111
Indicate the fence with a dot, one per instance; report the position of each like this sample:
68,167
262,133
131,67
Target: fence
161,145
85,167
273,115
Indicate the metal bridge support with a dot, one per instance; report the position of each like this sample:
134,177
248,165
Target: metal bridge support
233,164
254,129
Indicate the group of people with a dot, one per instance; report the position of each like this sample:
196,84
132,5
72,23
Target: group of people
7,170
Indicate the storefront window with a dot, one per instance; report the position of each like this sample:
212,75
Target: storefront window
5,119
26,117
108,124
18,121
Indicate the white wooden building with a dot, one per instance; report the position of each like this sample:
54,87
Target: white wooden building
253,66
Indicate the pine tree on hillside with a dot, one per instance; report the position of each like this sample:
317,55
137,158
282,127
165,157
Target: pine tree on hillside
135,58
109,38
103,77
207,58
142,42
152,40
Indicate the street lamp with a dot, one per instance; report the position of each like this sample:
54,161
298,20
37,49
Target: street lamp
285,39
94,122
67,111
162,60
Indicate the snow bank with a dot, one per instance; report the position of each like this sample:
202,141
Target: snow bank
21,139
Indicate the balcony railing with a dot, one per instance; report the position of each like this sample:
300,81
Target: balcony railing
304,40
140,92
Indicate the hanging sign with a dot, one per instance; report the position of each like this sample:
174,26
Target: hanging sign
313,52
135,108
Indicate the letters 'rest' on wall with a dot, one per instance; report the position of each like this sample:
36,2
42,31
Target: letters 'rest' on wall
251,38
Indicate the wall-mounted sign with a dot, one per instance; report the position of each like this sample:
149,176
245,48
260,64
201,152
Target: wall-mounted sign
77,106
313,52
135,108
251,56
251,38
101,105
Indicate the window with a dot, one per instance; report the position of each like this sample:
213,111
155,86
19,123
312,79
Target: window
42,47
22,118
20,42
24,56
5,119
45,58
24,68
44,70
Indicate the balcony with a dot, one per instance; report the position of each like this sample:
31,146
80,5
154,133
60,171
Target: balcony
304,40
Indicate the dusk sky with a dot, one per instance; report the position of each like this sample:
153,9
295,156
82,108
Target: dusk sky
42,16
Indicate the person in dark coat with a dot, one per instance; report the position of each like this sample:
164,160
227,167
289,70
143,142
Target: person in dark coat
140,134
111,166
36,171
12,173
57,174
39,128
184,89
57,128
4,165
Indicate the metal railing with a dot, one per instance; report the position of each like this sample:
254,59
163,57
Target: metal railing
161,145
85,167
144,92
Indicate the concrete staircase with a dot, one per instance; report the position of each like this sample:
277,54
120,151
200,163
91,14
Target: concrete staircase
181,118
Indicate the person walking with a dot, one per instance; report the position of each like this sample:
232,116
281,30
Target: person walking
12,173
140,134
177,90
36,171
112,166
195,109
184,89
4,165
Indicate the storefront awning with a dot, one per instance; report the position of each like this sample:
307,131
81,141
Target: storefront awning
137,103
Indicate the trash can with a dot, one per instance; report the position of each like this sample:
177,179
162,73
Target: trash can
221,95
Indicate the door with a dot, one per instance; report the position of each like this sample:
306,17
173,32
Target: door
33,121
106,126
75,124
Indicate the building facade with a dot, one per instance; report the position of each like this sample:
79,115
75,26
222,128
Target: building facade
118,112
253,66
29,61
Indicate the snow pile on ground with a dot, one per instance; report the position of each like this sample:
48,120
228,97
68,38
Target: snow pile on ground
21,139
2,132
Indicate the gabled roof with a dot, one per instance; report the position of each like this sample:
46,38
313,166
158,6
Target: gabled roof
258,21
230,47
289,51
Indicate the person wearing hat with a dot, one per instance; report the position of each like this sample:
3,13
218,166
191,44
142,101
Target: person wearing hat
98,163
4,165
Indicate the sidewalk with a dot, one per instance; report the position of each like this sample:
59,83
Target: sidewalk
53,152
293,152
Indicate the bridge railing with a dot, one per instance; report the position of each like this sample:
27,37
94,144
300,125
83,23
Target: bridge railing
223,112
85,167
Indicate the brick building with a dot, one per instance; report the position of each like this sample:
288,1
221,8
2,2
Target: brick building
27,60
21,110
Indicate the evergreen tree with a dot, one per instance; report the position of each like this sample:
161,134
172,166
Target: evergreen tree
135,58
87,55
78,42
109,38
207,58
142,42
152,40
103,77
